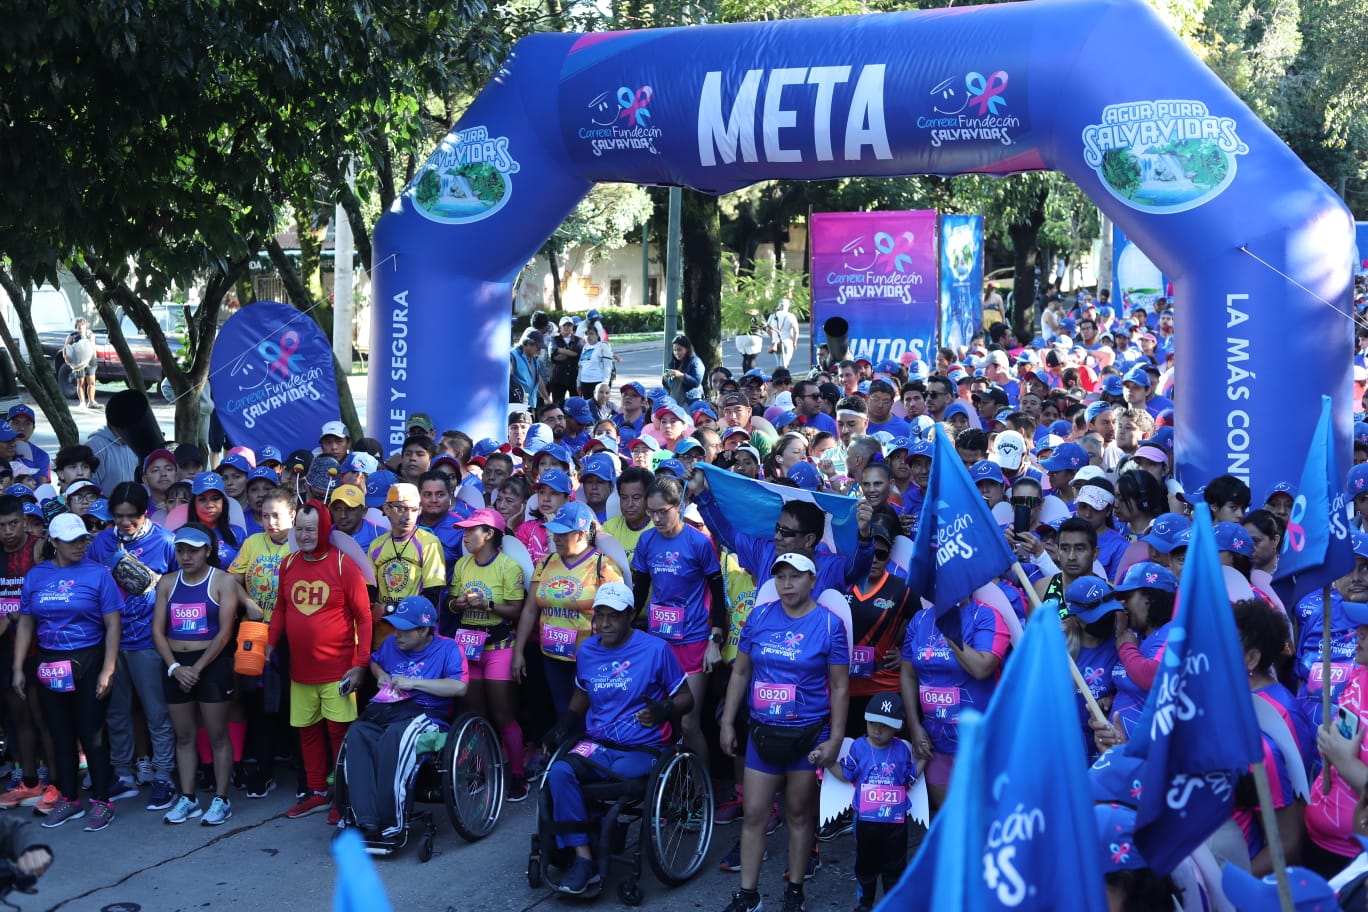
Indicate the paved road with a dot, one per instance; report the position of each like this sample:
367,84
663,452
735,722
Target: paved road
260,860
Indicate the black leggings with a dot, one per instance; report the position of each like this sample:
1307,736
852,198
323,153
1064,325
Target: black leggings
78,714
880,853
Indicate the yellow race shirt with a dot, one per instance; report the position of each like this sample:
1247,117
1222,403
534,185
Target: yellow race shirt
740,588
405,567
618,528
258,566
500,582
565,596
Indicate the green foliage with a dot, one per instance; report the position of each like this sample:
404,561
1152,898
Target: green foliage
760,290
1120,170
603,220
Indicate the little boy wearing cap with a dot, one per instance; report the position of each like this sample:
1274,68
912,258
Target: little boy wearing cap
882,768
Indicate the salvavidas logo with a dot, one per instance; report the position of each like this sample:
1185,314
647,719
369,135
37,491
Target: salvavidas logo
467,179
971,108
621,122
1163,156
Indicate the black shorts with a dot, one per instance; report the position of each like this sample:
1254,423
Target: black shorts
216,681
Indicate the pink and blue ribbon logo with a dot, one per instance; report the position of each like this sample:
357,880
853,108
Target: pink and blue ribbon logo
281,358
986,94
634,107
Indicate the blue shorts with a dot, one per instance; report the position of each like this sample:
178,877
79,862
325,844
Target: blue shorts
755,762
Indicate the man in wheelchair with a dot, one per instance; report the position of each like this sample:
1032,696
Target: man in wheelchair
419,675
628,686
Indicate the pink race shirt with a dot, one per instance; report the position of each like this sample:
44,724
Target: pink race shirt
1330,817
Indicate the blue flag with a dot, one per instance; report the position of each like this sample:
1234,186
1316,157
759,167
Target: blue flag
1016,832
1198,732
1317,549
753,507
358,887
958,546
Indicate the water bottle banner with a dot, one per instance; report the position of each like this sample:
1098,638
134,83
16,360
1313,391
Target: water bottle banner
961,279
1170,154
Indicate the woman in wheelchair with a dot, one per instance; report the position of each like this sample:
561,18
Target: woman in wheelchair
419,675
628,685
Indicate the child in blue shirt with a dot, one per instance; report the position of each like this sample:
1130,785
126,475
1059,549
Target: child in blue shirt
882,768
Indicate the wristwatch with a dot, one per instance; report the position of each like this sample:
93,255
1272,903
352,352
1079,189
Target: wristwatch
718,638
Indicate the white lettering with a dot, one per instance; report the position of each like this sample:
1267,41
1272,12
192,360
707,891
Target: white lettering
739,127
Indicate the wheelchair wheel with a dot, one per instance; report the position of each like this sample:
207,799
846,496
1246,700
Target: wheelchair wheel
678,820
472,774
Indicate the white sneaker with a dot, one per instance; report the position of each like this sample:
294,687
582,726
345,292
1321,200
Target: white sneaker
183,810
220,809
144,774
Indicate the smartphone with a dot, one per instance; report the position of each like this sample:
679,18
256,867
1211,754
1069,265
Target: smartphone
1021,519
345,686
1347,721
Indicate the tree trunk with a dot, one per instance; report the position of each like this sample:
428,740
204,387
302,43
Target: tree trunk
1024,235
39,375
701,234
555,279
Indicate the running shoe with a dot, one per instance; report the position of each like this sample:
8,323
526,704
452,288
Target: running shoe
101,816
21,796
728,812
316,802
220,809
838,826
813,865
163,795
732,860
16,779
258,787
741,903
43,776
334,816
123,788
64,810
144,774
186,808
793,900
516,790
581,875
51,798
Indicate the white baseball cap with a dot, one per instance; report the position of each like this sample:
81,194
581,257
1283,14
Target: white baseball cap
800,562
1086,474
615,595
334,429
68,527
1009,450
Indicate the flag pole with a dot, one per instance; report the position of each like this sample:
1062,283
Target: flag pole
1325,677
1082,685
1270,825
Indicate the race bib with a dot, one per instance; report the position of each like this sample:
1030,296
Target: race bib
8,606
666,622
776,701
862,662
939,701
882,803
57,676
472,643
585,749
390,694
558,641
189,618
1339,674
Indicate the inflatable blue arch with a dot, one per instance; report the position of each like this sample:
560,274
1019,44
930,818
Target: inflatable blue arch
1259,249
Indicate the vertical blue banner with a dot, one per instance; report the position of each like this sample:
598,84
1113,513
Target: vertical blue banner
877,271
1136,281
1361,252
271,375
961,279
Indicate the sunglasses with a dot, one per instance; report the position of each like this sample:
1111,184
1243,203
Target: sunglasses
880,554
786,532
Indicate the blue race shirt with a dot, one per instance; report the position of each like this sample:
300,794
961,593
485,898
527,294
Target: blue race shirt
1309,669
678,567
894,425
442,658
227,552
1096,664
1130,697
445,531
881,779
156,548
944,687
789,659
68,604
618,683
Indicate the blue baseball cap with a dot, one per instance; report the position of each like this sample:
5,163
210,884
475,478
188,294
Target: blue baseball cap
1090,598
485,447
918,370
1147,575
270,454
554,479
235,461
987,470
1360,544
378,485
539,437
887,366
634,387
1067,457
701,407
1361,431
671,408
1164,531
31,508
921,448
1232,537
412,612
806,475
1137,375
784,419
19,410
195,538
207,481
1027,356
573,517
1114,778
1281,487
357,461
1310,891
1116,826
1095,409
755,373
20,491
560,452
263,473
577,409
1357,482
687,445
956,408
7,433
99,509
896,444
599,465
659,396
672,467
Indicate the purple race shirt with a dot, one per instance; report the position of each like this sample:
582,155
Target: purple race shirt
1342,646
881,779
68,604
441,659
620,681
789,658
945,688
1131,697
1095,663
679,568
156,548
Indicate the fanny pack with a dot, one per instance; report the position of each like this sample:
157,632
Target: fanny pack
784,745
